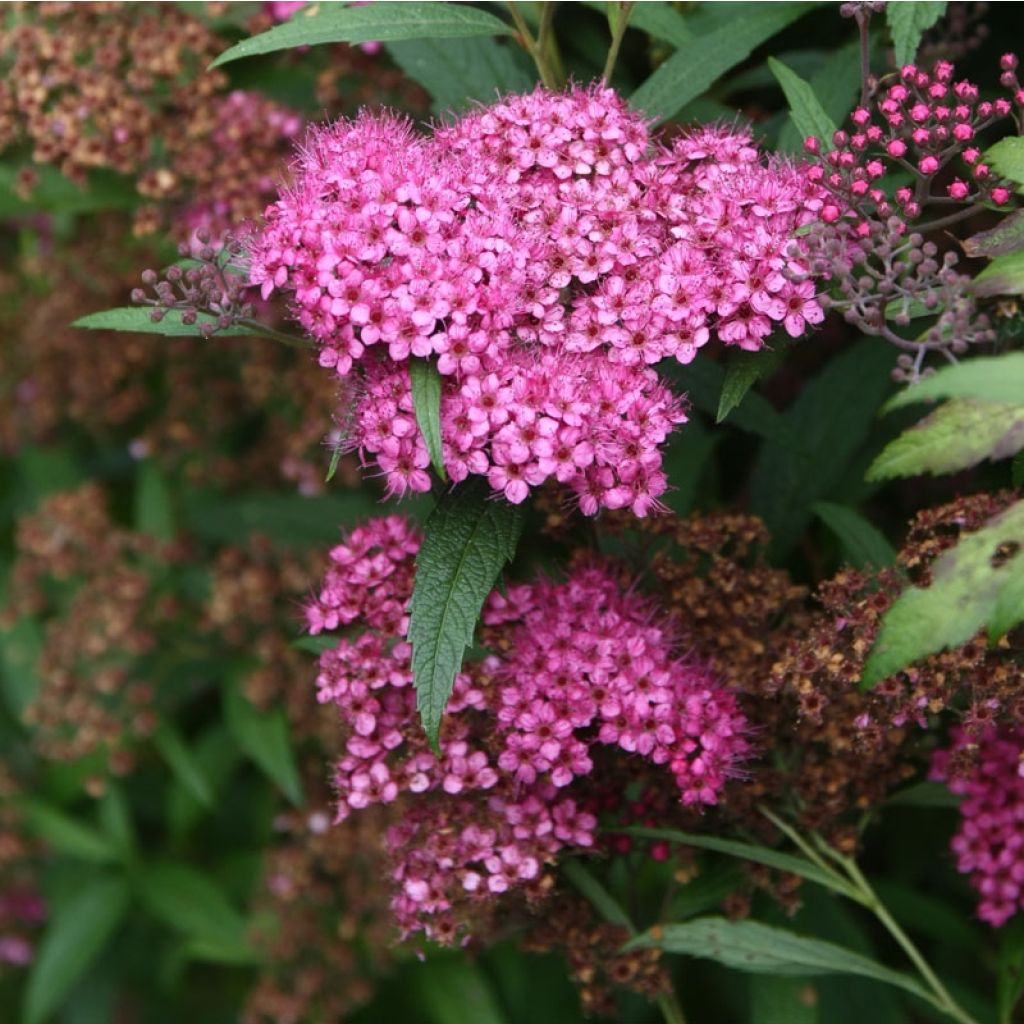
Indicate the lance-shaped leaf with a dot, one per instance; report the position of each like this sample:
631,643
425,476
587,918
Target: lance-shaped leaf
762,949
426,400
908,22
1007,236
466,541
863,543
384,22
1003,276
805,108
745,369
137,320
967,592
957,436
986,378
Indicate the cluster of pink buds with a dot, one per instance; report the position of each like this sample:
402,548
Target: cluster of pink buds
925,127
582,669
989,845
544,252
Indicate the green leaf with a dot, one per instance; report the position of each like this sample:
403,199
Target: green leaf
924,794
1006,237
1009,608
660,20
775,1000
986,378
383,22
315,644
188,902
116,819
804,106
1003,276
21,646
908,22
72,942
426,400
1010,963
863,543
596,894
57,194
234,954
136,320
467,539
698,63
66,834
958,435
745,369
154,513
183,763
744,851
967,583
1007,157
264,738
760,949
825,429
453,990
457,72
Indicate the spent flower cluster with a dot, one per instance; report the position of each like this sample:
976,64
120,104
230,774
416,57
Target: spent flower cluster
585,669
546,251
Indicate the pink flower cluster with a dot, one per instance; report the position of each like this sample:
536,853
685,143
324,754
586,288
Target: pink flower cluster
546,251
584,667
990,841
922,122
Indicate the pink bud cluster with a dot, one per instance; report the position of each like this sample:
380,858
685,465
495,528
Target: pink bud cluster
584,667
547,236
989,844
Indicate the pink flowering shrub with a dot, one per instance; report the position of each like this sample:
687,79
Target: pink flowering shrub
989,845
580,669
547,251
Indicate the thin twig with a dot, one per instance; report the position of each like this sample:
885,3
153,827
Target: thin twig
618,32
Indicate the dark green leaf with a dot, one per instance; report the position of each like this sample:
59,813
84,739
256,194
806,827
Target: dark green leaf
385,22
455,991
660,20
71,943
596,894
787,862
967,583
116,819
863,543
745,369
924,794
696,64
775,1000
1010,983
685,460
1017,471
805,108
426,400
183,763
457,72
1006,237
154,513
264,738
66,834
315,644
190,903
1007,157
20,648
908,22
929,914
986,378
761,949
136,320
467,540
957,436
57,194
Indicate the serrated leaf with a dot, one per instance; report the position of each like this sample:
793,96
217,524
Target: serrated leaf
1006,237
967,582
72,942
908,22
759,948
986,378
699,62
384,22
804,106
183,763
459,72
775,1000
1003,276
66,834
136,320
787,862
957,436
264,738
154,513
1007,157
863,543
187,901
467,539
745,369
426,400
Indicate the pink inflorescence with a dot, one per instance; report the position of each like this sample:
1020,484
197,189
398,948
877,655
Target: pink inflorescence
584,667
990,841
546,252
